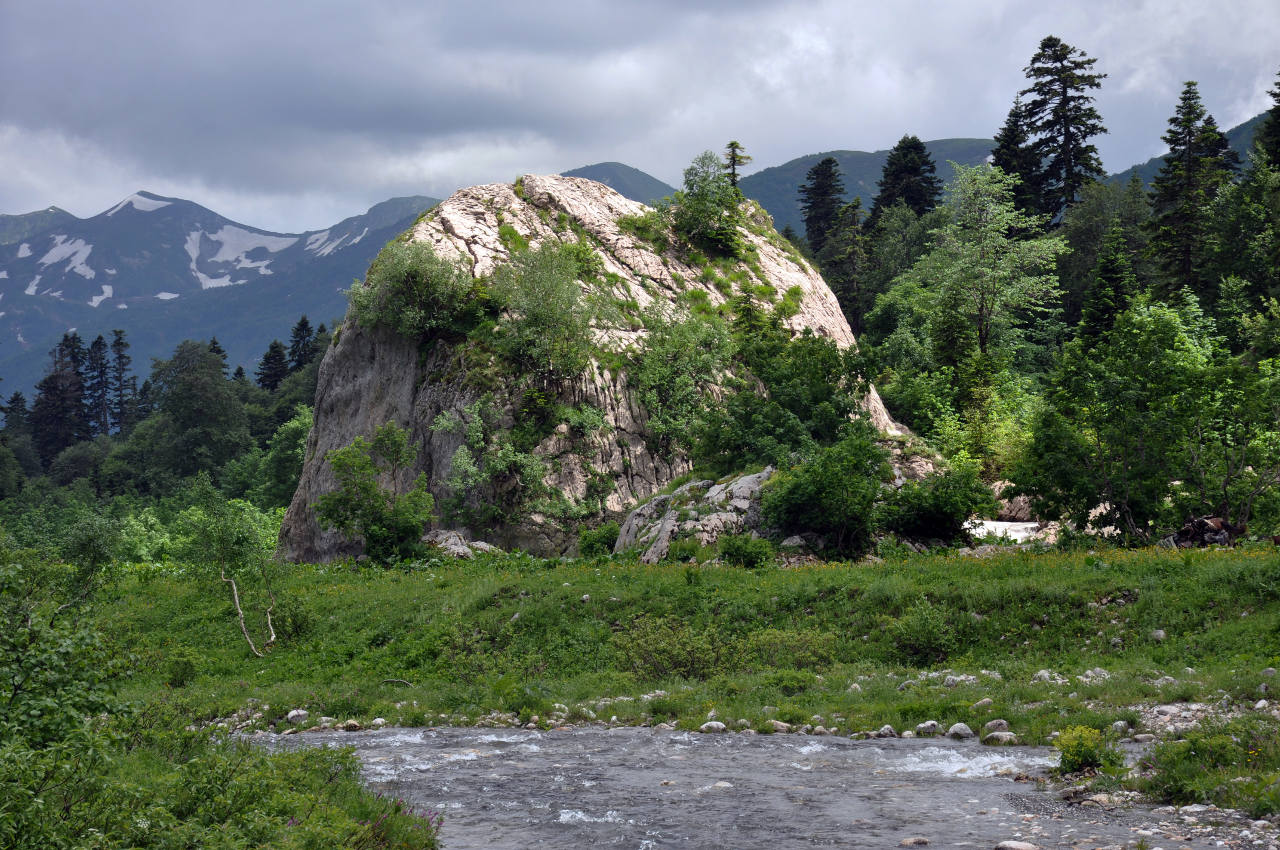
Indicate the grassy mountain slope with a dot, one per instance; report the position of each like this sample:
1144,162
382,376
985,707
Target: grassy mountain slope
627,181
1239,137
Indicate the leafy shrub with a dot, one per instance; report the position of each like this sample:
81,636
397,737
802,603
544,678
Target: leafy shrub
181,669
548,327
922,635
411,289
707,212
519,695
939,505
680,360
743,550
598,542
389,524
834,493
789,682
1200,768
1083,748
803,649
656,647
652,226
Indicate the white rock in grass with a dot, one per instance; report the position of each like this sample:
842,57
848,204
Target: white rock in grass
960,731
298,715
711,727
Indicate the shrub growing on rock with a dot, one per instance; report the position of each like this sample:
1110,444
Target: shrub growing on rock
411,289
938,506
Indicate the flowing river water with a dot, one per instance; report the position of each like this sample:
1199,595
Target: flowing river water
644,788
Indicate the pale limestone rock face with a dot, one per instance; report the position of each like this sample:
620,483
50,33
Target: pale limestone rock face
369,377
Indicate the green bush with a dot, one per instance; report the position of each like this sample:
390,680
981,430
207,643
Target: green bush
938,506
833,494
652,226
181,669
681,359
1083,748
658,647
743,550
922,634
598,542
412,290
1201,767
801,649
390,525
547,329
707,212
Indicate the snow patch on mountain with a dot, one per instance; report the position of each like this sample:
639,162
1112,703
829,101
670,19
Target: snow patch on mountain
316,239
166,296
24,250
140,203
98,299
31,287
75,252
234,246
3,275
322,246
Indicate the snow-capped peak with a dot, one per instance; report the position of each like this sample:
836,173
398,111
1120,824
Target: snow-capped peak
139,202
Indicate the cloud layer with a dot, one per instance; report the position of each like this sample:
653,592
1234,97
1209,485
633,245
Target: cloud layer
292,115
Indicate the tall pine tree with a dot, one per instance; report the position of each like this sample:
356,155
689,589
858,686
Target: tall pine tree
301,345
124,386
735,156
844,264
1112,288
910,177
58,413
274,367
1268,135
821,196
1061,115
1014,155
97,388
1198,164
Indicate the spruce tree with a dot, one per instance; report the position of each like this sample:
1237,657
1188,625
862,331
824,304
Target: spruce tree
301,344
123,386
844,264
909,177
1112,288
16,416
821,196
1268,135
1061,115
58,414
97,388
274,367
734,158
216,348
1014,155
1198,164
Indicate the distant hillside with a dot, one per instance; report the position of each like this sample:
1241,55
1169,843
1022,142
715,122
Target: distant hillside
166,269
626,181
1239,137
777,188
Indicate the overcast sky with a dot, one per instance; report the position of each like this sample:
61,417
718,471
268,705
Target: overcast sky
292,114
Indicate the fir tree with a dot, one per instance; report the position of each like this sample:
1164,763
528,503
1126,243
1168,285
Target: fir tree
844,264
1014,155
301,345
909,177
1112,288
216,348
274,367
734,158
57,414
97,388
1268,135
123,386
1198,164
821,196
1061,115
16,416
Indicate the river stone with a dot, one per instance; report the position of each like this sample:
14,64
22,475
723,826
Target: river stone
1016,845
712,726
779,726
927,729
351,725
960,731
1000,738
886,731
298,715
997,725
820,730
1268,671
1261,705
1120,727
377,723
913,841
982,703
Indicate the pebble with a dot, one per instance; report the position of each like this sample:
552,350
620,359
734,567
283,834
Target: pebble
886,731
298,715
1000,739
1120,727
712,726
927,729
913,841
377,723
960,731
820,730
996,725
855,688
1158,635
351,725
1261,705
982,703
1269,671
779,726
1016,845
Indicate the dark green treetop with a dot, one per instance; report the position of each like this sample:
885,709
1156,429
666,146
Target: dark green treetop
1014,154
1198,164
1268,135
1112,288
821,196
735,157
910,177
274,367
1061,115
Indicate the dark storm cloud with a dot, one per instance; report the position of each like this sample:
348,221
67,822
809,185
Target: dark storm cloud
295,114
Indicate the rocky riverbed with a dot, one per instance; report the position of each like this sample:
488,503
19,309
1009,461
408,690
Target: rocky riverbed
647,788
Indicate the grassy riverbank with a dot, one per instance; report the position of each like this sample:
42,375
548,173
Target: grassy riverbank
861,645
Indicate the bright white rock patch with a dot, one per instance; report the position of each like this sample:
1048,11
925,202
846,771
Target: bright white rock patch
98,299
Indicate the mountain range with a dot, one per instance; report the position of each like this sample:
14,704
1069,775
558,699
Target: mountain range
166,269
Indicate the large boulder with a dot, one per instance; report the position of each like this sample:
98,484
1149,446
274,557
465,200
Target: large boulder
372,376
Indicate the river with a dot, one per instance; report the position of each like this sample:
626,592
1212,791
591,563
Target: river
641,788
